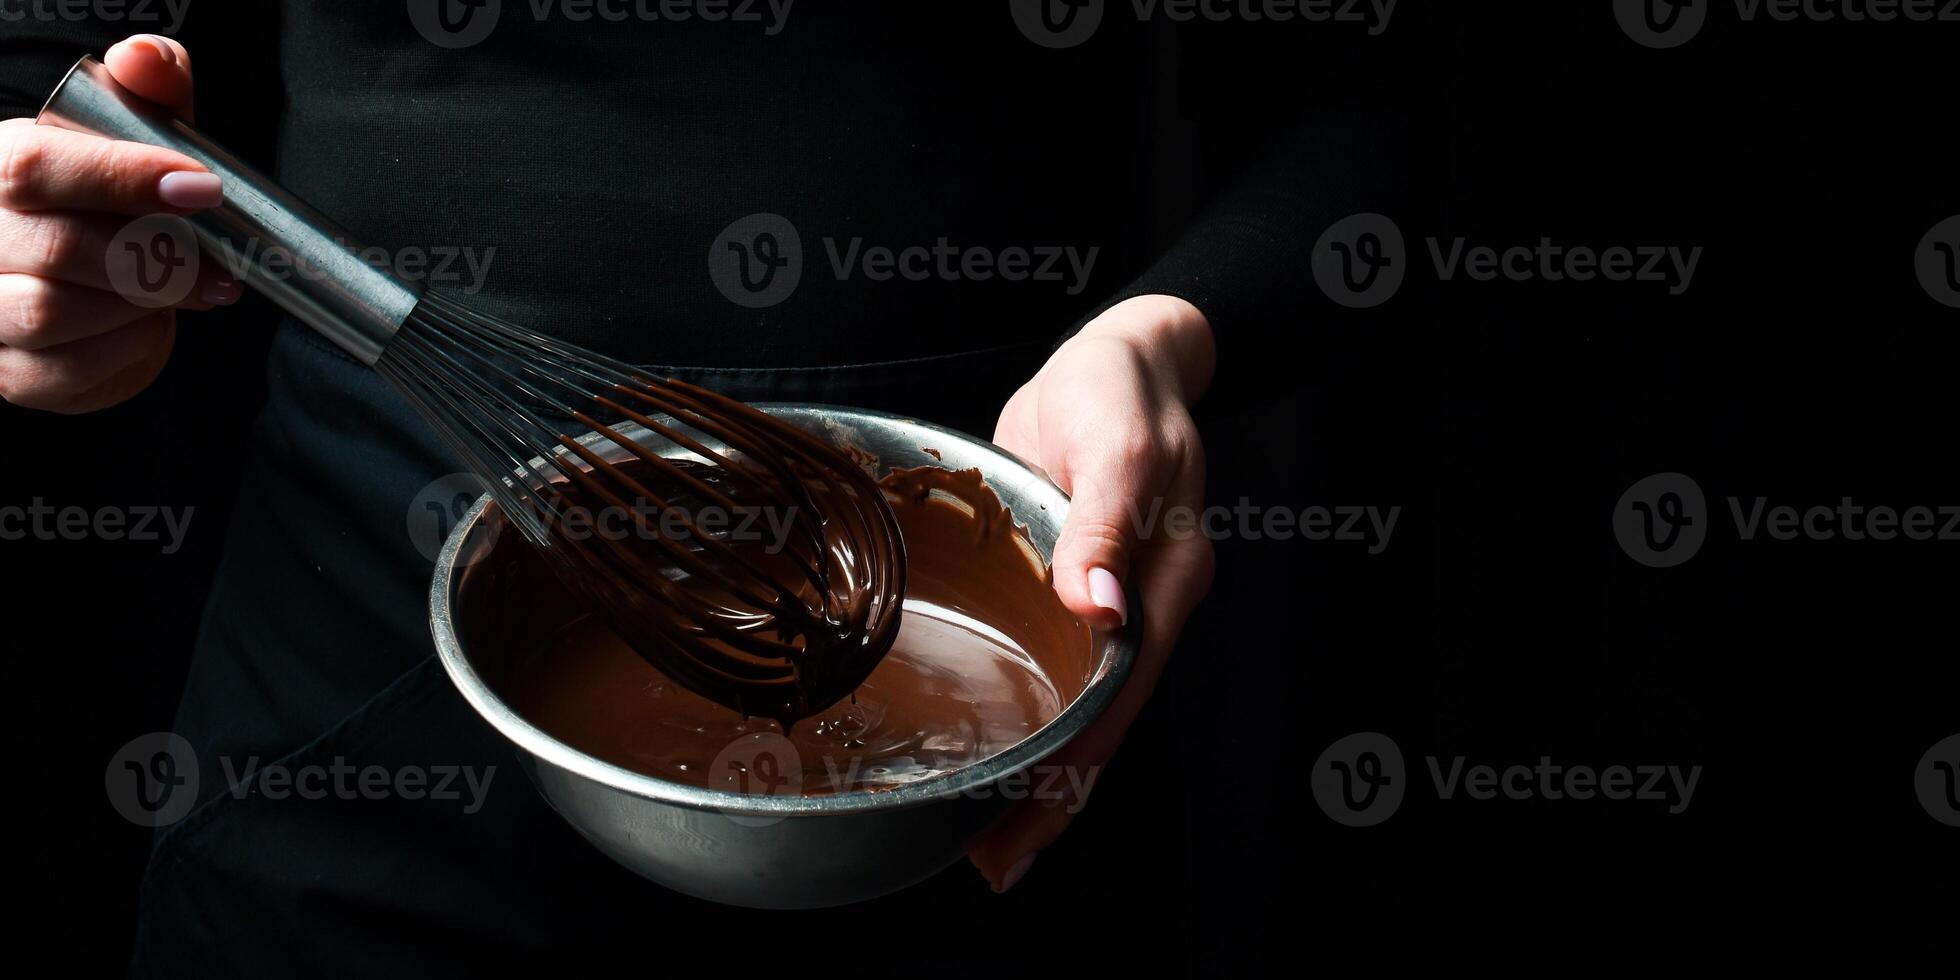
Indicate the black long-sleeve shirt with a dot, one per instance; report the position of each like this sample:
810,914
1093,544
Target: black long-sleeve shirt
580,175
604,162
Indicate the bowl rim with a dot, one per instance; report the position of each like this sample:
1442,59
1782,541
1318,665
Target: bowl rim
1117,657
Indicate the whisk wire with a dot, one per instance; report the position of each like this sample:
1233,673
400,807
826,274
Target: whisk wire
780,632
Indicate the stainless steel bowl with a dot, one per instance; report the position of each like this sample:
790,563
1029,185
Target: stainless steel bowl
778,851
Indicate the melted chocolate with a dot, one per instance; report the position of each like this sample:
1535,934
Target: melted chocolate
985,655
673,555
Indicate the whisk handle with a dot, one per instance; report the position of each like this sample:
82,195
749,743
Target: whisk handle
271,240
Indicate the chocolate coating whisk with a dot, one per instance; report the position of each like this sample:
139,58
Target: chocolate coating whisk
779,629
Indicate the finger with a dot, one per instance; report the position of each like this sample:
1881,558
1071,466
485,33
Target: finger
1015,431
1174,581
38,313
43,168
131,380
1004,852
1173,576
155,67
58,379
1110,483
147,261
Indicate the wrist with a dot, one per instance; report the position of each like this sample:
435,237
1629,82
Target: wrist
1168,333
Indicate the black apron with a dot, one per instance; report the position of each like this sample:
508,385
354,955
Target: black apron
315,651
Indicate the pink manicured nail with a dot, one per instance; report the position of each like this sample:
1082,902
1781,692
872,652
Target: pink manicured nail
1106,592
164,50
224,292
1015,873
191,191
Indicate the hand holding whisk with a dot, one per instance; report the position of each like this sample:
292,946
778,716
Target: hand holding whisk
779,632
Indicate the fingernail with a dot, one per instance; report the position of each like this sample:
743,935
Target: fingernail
224,292
164,49
1106,592
1015,873
191,191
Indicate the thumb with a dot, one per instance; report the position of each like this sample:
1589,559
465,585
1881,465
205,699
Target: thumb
1092,555
155,67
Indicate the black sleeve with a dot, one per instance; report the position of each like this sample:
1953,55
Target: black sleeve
1300,125
40,47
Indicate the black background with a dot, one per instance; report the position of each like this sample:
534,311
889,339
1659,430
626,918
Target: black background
1502,624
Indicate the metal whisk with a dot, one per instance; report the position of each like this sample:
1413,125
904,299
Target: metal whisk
774,628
